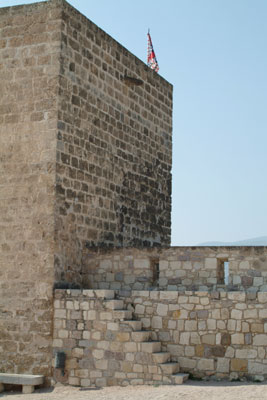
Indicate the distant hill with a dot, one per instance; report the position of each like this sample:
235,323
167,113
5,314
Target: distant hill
259,241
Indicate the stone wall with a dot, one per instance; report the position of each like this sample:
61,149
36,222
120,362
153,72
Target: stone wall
201,268
114,148
103,345
176,268
126,268
29,66
218,333
206,334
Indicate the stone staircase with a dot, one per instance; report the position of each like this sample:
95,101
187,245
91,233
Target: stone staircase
150,363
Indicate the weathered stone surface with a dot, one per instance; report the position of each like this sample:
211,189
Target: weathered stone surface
223,365
239,365
205,365
260,340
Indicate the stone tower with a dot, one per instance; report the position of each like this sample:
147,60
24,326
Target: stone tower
85,161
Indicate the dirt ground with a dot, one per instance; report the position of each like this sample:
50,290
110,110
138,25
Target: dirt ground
191,390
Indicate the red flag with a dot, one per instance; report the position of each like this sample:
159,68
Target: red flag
151,56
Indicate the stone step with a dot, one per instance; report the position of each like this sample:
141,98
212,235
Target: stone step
179,379
162,357
169,368
135,325
122,314
141,336
114,304
150,347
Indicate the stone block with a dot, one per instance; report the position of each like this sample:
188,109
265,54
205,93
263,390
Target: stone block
223,365
172,324
239,365
262,297
123,336
185,338
182,299
84,305
221,325
248,338
202,325
163,282
202,314
236,314
237,338
163,265
156,322
208,339
176,314
204,301
260,340
251,313
257,368
189,351
187,363
101,364
205,364
96,335
246,353
191,325
139,309
60,313
210,263
167,295
263,313
130,347
103,344
236,280
164,336
105,315
245,327
237,296
105,264
257,328
90,315
138,368
231,325
162,309
85,382
176,350
195,338
257,281
225,339
77,352
142,263
98,354
81,373
63,334
101,382
244,265
211,324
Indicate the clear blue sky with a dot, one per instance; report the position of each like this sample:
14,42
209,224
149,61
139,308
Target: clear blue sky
214,52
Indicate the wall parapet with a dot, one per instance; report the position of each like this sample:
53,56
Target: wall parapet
177,268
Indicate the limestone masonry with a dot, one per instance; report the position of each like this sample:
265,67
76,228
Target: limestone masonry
86,274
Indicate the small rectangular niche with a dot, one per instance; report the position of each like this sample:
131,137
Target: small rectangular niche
222,271
155,270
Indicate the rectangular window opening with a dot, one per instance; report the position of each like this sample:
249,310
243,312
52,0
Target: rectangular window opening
226,272
223,272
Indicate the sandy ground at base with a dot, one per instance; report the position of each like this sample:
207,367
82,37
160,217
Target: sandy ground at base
191,390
